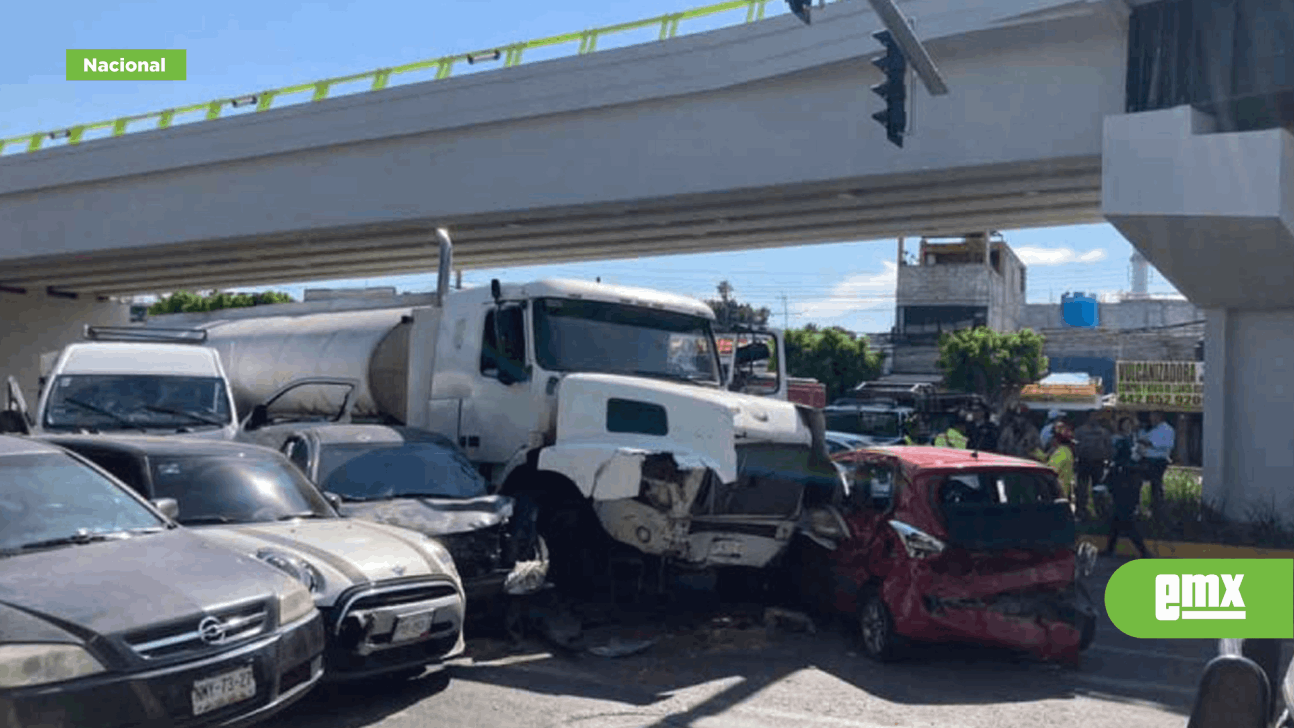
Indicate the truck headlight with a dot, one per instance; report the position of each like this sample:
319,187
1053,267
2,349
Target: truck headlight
297,568
295,603
39,664
917,543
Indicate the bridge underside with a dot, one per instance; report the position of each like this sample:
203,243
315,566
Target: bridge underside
945,202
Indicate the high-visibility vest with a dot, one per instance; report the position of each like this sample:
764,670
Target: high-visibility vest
951,438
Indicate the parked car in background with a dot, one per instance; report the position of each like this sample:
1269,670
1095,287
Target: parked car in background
113,616
876,424
412,478
951,545
838,442
391,598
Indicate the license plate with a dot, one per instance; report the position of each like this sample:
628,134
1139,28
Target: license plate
412,626
729,549
217,692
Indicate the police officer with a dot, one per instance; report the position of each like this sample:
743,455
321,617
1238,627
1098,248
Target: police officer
1124,481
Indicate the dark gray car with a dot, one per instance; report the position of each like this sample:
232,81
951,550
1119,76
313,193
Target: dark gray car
112,615
419,480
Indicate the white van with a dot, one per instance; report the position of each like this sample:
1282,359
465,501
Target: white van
130,379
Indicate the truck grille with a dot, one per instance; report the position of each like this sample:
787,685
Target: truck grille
198,634
476,553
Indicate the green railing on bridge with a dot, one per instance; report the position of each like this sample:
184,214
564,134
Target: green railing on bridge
511,55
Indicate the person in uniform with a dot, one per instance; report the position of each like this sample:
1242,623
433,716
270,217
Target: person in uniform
953,436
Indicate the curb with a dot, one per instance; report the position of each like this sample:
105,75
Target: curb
1185,550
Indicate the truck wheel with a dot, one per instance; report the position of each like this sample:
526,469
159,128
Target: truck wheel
575,542
878,638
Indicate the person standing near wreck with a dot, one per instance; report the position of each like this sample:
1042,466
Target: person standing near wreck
1124,482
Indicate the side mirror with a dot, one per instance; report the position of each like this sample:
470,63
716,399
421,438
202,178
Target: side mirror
333,499
259,418
168,506
496,290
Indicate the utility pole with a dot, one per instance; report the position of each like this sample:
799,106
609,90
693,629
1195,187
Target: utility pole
786,314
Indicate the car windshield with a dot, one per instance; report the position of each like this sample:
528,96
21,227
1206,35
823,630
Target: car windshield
135,402
366,471
591,336
861,422
53,496
215,489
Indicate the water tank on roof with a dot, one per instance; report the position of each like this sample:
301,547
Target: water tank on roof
1079,309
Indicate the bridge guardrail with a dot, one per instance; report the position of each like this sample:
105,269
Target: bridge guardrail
511,55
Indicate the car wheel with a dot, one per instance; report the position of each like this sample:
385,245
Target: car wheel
877,636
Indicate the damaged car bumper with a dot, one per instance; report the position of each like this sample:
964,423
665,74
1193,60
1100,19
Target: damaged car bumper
1045,620
374,629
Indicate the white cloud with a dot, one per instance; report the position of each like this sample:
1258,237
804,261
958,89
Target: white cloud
856,292
1035,256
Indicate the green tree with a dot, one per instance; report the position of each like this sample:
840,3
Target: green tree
840,359
728,310
990,363
188,302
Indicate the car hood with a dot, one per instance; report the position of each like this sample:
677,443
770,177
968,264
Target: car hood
435,516
117,586
346,552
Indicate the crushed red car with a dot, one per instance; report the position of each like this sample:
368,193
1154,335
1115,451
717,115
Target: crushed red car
950,545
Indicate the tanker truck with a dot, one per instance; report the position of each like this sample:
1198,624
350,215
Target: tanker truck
604,406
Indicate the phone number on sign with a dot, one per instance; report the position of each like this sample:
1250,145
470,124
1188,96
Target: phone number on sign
1178,400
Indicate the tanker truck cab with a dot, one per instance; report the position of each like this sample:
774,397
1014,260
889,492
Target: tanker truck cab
632,432
121,381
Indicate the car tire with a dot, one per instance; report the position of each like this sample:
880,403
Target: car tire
877,636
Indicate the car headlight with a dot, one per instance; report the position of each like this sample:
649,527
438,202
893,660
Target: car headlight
297,568
40,664
295,603
438,553
917,543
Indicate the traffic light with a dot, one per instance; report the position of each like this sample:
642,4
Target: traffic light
893,89
801,9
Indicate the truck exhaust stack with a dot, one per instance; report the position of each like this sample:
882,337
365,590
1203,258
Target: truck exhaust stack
446,262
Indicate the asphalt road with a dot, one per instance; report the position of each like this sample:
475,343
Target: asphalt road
711,676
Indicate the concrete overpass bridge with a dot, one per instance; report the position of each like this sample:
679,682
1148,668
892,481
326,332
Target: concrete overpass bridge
757,135
749,136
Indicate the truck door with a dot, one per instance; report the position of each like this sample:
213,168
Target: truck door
505,412
15,418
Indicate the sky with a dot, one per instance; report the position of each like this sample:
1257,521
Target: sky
239,47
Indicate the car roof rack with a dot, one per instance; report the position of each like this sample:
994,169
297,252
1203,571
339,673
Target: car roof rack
140,334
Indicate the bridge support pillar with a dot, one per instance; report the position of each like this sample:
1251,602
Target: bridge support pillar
1213,213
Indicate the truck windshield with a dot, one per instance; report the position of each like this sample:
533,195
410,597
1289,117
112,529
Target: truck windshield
861,422
219,489
360,472
610,338
136,402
